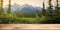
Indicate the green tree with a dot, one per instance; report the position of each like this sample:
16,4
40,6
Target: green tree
56,8
9,10
43,10
9,7
50,9
1,6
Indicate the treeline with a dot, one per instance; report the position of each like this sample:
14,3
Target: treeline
51,15
50,9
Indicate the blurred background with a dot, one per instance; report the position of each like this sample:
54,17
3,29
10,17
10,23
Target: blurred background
29,11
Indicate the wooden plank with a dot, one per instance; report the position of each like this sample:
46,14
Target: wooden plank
30,27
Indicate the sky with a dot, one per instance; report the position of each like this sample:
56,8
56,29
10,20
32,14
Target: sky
30,2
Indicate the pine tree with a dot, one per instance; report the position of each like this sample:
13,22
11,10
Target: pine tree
43,9
56,8
57,12
1,6
9,7
50,9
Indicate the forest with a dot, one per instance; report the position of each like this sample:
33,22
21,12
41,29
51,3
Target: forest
48,16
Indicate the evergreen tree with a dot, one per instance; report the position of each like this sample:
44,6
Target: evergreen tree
9,10
1,6
50,9
9,7
56,8
43,11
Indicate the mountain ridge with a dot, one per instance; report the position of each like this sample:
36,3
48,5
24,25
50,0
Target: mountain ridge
24,9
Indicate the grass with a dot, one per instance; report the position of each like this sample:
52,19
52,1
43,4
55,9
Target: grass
17,20
13,19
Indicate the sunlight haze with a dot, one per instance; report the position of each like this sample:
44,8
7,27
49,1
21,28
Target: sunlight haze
30,2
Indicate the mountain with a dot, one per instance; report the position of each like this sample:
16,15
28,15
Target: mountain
27,9
24,9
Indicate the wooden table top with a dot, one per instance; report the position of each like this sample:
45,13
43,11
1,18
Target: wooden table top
29,26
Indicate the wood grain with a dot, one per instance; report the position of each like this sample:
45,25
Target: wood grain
29,26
